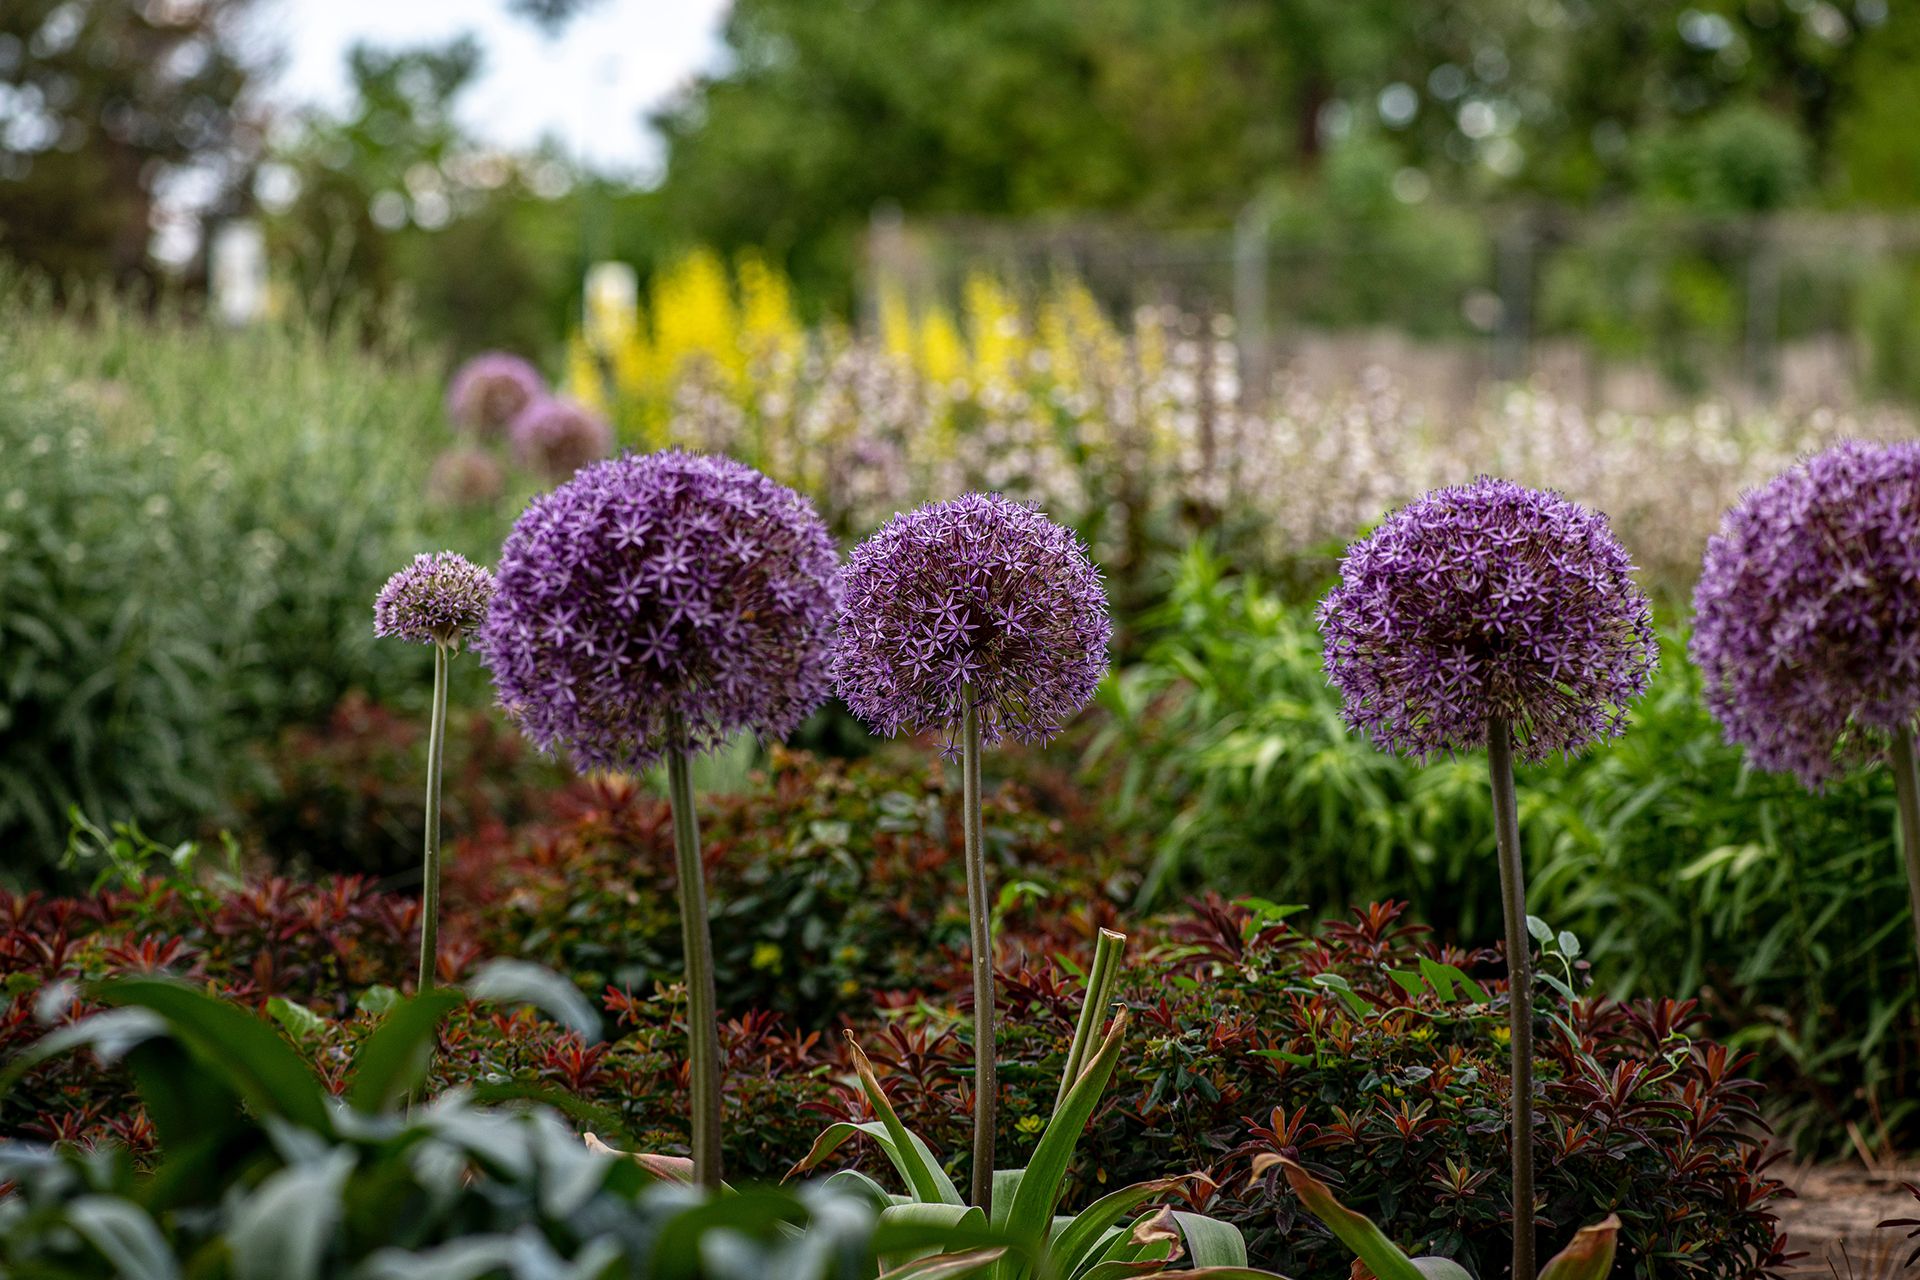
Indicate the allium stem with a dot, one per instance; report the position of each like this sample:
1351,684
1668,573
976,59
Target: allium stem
1513,896
430,870
703,1027
1906,786
986,1088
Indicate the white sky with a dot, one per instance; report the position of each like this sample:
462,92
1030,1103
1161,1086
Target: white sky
589,85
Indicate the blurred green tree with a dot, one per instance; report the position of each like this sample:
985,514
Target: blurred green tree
392,204
106,107
1180,109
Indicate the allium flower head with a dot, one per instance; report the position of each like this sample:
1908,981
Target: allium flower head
1807,614
489,391
661,601
1488,600
467,476
438,599
557,437
982,592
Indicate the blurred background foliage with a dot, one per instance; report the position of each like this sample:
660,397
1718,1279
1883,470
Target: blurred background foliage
134,129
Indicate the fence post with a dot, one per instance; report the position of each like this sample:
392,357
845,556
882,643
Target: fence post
1763,310
1250,267
884,261
1513,273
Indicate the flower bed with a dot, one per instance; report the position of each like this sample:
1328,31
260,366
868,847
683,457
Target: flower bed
1252,1033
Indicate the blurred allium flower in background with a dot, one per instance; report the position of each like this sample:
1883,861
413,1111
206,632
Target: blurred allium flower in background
661,601
440,598
1484,601
489,391
1808,611
557,437
466,476
980,591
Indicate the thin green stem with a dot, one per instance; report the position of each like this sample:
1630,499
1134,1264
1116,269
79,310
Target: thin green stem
703,1024
986,1089
1906,787
1513,896
1102,977
430,871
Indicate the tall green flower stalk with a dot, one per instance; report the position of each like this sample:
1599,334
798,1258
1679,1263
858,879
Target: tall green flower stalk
696,933
1492,615
1513,902
980,937
1906,790
652,609
973,618
441,600
430,868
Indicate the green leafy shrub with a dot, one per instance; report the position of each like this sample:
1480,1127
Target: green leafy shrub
1686,872
1359,1049
345,795
194,522
829,881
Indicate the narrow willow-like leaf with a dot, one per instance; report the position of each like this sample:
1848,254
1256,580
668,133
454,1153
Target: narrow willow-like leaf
1046,1175
923,1174
1210,1242
665,1168
1083,1234
946,1266
1588,1256
1355,1230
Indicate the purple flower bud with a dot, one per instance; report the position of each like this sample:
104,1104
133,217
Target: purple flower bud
1488,600
659,602
489,392
982,592
557,437
467,476
438,599
1807,614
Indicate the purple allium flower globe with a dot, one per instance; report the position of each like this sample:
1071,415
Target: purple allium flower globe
441,598
660,602
979,591
1807,614
557,437
1488,601
489,391
467,476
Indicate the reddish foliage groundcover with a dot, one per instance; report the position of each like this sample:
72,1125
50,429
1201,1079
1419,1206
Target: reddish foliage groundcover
1335,1045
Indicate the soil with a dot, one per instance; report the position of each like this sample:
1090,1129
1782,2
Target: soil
1833,1221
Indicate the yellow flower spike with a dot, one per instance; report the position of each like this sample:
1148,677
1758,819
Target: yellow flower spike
584,381
943,357
767,320
694,317
896,322
993,329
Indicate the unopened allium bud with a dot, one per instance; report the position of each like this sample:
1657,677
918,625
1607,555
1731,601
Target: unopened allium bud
1488,601
438,599
1807,614
980,592
467,476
